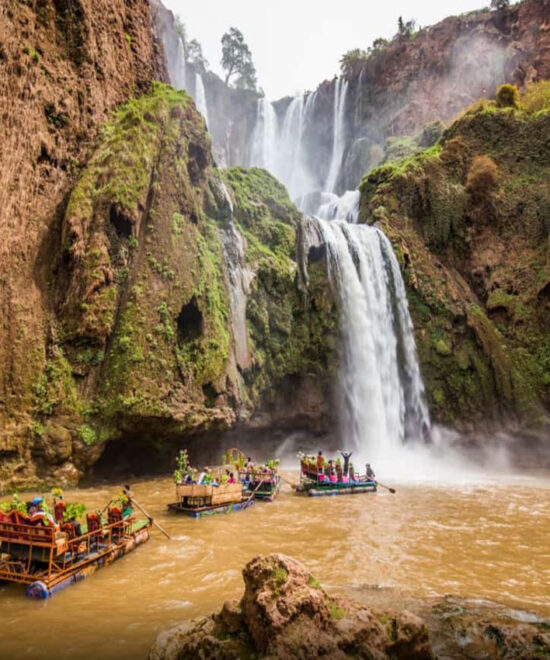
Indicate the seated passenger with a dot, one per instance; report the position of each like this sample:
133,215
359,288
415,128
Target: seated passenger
231,479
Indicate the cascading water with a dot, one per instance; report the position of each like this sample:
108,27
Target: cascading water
177,67
339,133
340,208
239,278
200,97
280,149
382,391
383,404
266,133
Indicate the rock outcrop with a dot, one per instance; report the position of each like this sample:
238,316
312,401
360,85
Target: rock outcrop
285,613
469,219
176,308
64,67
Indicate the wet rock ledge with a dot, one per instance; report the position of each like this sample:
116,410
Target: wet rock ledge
285,613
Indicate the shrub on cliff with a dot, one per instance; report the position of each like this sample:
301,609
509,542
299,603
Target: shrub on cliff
536,97
507,96
483,176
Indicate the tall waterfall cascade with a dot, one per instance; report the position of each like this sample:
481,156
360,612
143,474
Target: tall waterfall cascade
200,97
338,133
382,394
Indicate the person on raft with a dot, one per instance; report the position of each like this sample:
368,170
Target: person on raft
370,473
320,462
346,455
36,513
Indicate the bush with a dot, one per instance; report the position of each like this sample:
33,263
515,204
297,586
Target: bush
483,176
507,96
536,96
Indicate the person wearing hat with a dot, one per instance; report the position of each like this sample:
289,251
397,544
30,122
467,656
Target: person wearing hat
38,515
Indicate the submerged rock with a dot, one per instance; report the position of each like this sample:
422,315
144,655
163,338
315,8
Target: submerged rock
284,613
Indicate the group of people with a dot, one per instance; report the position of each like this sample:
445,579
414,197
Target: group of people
242,473
339,470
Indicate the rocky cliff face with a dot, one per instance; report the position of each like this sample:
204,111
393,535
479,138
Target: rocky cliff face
172,304
432,75
469,219
64,66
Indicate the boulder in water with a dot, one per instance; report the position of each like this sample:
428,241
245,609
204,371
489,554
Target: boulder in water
284,613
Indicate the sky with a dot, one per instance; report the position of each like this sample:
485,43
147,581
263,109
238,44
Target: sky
296,44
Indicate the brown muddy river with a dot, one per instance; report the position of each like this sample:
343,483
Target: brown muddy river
485,539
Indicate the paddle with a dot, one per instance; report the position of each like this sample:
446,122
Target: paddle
287,482
254,491
147,515
392,490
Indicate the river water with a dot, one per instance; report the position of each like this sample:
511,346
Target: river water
483,539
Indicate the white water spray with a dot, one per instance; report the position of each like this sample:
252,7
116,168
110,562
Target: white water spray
177,67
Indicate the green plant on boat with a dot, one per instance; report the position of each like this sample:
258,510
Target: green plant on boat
15,504
182,467
74,511
273,464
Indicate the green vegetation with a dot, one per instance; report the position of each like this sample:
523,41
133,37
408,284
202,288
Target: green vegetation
336,612
87,434
507,97
467,219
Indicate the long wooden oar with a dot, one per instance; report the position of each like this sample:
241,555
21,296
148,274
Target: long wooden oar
392,490
254,491
287,482
148,515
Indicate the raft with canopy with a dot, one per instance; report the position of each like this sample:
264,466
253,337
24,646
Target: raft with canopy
331,479
48,554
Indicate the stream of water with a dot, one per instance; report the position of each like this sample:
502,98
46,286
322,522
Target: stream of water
474,538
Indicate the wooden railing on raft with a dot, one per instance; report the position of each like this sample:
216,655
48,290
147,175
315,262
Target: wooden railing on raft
64,556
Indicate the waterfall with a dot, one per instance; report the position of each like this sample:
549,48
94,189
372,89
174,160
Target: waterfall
280,148
344,208
265,137
176,66
383,403
200,97
239,278
338,132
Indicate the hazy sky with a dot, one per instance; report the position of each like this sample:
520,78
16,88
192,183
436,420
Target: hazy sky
296,44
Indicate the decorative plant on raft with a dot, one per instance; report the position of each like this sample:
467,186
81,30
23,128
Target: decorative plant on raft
273,465
15,504
182,467
74,511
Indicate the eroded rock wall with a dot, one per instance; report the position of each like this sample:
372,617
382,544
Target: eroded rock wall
469,219
63,67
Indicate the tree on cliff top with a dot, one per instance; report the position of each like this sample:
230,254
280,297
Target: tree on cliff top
193,54
237,60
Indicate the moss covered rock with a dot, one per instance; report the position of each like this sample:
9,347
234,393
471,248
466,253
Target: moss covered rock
144,343
475,261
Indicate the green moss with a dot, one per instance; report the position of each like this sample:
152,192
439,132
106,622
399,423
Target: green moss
314,583
55,391
336,612
87,434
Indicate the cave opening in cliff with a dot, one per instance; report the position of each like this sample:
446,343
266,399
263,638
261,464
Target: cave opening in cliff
190,322
121,222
